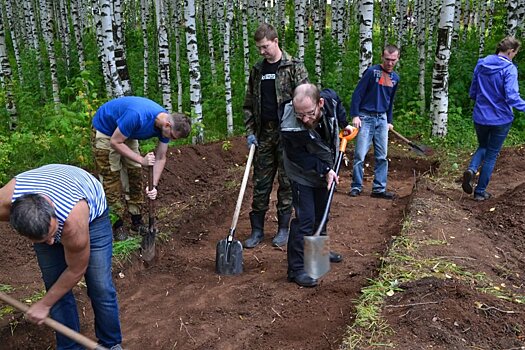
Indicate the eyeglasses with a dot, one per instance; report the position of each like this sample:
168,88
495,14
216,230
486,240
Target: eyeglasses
307,114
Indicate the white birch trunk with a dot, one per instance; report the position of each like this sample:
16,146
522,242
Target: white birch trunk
15,37
7,77
490,15
317,40
227,77
300,27
65,34
457,23
120,48
108,47
482,23
164,55
144,17
77,29
440,73
32,38
384,20
512,17
466,20
366,21
211,45
194,68
432,10
421,49
47,31
176,32
245,42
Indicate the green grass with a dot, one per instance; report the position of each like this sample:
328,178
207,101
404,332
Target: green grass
123,250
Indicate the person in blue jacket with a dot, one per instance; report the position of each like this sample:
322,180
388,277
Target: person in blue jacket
118,125
371,109
495,91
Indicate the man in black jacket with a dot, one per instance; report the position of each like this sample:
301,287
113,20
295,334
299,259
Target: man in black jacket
309,132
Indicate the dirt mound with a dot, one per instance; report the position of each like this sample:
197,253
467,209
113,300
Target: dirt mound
446,314
178,302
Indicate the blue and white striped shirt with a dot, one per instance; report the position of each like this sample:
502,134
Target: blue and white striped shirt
65,185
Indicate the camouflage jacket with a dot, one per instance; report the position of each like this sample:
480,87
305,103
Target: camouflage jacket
290,73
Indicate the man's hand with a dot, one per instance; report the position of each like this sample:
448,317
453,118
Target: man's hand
151,194
148,159
348,130
390,126
251,140
37,313
331,176
356,122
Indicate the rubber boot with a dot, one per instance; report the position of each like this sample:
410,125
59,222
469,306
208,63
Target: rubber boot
137,225
281,237
257,235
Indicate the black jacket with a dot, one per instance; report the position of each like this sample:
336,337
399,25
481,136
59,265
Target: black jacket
309,154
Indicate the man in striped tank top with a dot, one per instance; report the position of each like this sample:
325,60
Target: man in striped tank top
62,209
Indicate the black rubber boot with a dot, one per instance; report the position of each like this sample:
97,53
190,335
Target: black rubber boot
257,235
137,225
281,237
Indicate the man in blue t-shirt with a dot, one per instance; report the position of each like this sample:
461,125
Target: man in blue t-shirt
118,125
371,109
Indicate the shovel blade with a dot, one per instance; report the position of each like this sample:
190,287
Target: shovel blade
228,259
316,256
148,246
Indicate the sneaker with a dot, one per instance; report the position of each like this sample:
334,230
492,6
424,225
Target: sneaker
354,192
482,196
468,175
384,195
120,233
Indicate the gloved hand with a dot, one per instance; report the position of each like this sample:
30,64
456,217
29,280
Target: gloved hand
251,140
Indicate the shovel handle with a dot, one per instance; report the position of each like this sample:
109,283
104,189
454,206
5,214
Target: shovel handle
57,326
243,189
402,137
151,203
342,149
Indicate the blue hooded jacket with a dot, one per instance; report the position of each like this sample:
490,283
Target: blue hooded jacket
495,89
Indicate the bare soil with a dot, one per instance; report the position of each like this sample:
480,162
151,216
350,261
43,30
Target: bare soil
179,302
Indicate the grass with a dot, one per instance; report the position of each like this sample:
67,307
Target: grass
123,250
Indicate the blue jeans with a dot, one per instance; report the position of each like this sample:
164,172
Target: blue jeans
374,128
309,204
100,287
490,141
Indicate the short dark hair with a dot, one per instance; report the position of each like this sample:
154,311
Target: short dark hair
265,30
508,43
181,124
390,48
31,216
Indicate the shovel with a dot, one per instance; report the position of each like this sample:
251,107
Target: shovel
228,258
148,240
418,149
57,326
317,247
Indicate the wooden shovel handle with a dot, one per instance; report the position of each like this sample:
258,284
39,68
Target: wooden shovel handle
151,203
57,326
243,188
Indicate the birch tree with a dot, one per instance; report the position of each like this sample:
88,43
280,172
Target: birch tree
164,55
300,6
144,16
47,31
366,21
32,38
194,68
211,46
421,49
15,37
227,77
176,34
440,72
482,23
120,49
317,39
245,41
512,17
77,29
7,77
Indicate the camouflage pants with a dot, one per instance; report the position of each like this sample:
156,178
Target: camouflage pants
268,162
118,175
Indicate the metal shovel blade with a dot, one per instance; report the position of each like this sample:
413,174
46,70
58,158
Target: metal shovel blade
316,256
148,245
228,259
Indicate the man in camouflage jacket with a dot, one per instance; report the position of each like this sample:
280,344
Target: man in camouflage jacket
272,81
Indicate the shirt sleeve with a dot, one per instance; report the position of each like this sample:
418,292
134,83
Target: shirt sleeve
359,93
512,92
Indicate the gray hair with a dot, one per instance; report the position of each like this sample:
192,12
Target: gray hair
31,216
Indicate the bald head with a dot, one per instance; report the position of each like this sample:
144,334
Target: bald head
307,90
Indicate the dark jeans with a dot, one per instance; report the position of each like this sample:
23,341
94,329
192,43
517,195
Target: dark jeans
100,287
490,141
309,204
